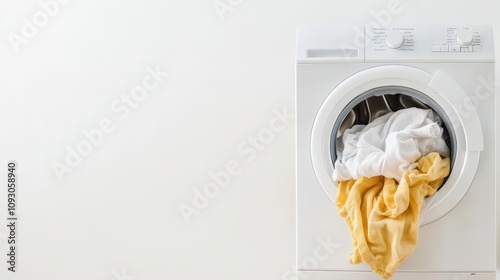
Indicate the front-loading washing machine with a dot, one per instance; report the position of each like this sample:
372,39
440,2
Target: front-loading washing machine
449,69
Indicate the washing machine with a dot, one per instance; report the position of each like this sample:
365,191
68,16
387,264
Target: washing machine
342,72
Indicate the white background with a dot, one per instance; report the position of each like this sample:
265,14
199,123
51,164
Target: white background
116,215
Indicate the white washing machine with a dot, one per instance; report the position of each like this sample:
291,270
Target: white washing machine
447,68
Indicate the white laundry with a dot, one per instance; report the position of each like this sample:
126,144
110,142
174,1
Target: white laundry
390,145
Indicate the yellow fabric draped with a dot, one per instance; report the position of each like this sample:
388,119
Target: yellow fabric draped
383,216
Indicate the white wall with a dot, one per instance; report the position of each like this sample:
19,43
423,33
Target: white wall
117,212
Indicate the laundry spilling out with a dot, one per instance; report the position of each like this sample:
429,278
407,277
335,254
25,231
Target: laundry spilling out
385,170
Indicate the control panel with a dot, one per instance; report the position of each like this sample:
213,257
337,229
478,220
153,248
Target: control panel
456,43
420,43
460,40
384,39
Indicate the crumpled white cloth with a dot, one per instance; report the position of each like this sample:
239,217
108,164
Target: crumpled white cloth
390,145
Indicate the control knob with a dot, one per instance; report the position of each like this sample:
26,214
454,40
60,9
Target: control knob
394,39
464,37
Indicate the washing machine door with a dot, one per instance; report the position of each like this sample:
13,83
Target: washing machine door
437,90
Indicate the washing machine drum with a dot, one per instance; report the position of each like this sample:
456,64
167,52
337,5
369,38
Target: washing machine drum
377,91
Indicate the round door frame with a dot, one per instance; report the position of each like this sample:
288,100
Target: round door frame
439,87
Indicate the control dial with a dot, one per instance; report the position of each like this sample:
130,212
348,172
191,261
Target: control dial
464,37
394,39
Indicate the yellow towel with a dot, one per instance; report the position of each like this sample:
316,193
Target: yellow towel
383,217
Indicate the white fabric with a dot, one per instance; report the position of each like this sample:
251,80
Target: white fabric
390,145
